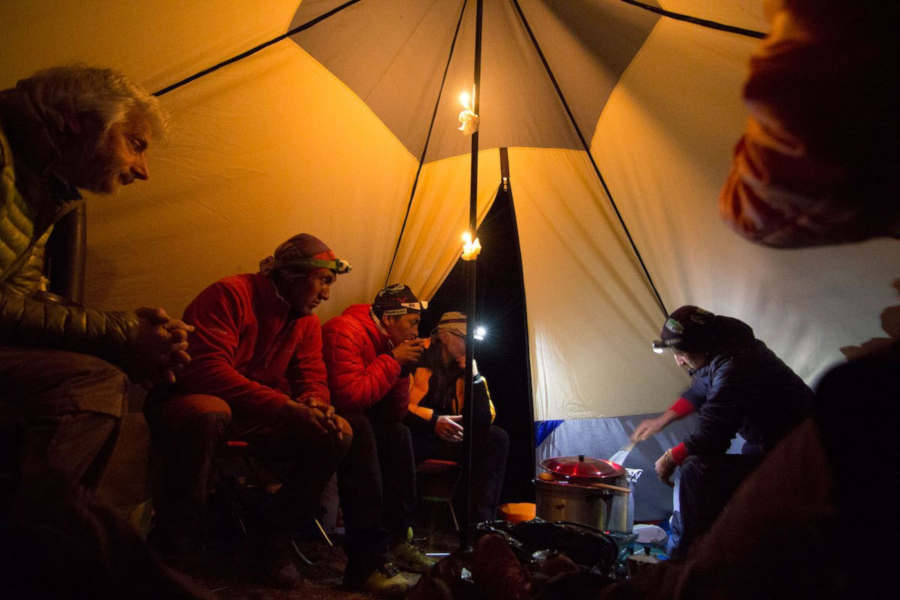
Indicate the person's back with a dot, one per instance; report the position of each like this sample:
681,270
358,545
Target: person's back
771,398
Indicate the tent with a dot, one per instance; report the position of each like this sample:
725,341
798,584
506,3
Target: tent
325,131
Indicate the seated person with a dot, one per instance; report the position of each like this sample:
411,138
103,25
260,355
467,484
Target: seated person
369,350
257,375
738,386
435,415
63,366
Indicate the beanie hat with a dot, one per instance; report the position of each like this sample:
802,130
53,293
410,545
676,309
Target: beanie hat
303,253
689,329
396,300
452,321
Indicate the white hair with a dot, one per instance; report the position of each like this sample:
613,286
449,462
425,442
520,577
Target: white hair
59,93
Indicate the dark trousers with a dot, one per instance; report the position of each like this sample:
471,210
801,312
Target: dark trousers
188,431
377,486
65,409
707,484
490,449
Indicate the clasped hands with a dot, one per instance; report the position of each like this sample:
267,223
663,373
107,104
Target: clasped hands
317,414
159,346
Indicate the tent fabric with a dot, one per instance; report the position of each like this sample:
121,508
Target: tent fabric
306,135
439,215
405,40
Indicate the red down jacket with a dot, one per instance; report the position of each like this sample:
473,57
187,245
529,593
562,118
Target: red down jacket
247,350
362,374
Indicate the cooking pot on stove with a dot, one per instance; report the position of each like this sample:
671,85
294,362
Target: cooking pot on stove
584,490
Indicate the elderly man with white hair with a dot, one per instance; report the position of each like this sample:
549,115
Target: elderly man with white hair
63,366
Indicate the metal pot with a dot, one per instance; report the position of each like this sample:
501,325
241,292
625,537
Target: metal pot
589,491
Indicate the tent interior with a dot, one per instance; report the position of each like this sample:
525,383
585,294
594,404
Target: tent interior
347,130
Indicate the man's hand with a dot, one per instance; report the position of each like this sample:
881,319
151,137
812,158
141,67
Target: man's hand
665,466
160,345
324,414
409,351
448,428
649,427
313,414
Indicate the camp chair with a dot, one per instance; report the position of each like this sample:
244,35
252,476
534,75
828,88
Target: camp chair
238,488
437,480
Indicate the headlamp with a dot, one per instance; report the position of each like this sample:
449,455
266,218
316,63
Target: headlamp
338,265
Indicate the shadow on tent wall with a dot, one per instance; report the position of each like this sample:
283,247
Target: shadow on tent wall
503,355
890,323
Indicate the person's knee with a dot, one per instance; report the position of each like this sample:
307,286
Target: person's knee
343,443
195,414
344,426
499,437
399,433
96,377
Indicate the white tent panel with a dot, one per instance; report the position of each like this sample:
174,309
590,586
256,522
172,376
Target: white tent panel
269,147
664,142
590,315
439,215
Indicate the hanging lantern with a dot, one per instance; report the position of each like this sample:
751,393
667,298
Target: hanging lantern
471,248
468,120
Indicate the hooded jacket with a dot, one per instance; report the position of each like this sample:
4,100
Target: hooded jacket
362,374
744,388
32,200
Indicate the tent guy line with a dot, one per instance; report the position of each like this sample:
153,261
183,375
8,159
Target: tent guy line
255,49
666,13
590,155
696,20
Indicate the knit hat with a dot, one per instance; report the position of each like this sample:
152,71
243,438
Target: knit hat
303,253
396,300
452,321
689,329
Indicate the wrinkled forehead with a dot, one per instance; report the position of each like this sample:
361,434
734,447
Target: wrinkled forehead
137,124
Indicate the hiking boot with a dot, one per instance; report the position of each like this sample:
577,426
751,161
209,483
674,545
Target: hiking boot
409,558
272,561
386,581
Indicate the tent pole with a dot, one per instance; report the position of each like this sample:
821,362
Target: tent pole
471,270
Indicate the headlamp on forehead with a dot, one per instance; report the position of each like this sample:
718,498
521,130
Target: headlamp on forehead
660,346
406,307
338,265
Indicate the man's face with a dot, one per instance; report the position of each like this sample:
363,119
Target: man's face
115,157
689,361
402,327
305,292
454,343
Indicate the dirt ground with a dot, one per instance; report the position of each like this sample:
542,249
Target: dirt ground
228,577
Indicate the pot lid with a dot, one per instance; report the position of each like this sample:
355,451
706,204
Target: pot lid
582,467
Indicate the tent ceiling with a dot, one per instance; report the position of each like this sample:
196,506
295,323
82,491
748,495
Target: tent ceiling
295,138
392,54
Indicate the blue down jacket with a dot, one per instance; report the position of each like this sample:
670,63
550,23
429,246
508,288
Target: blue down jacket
744,388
